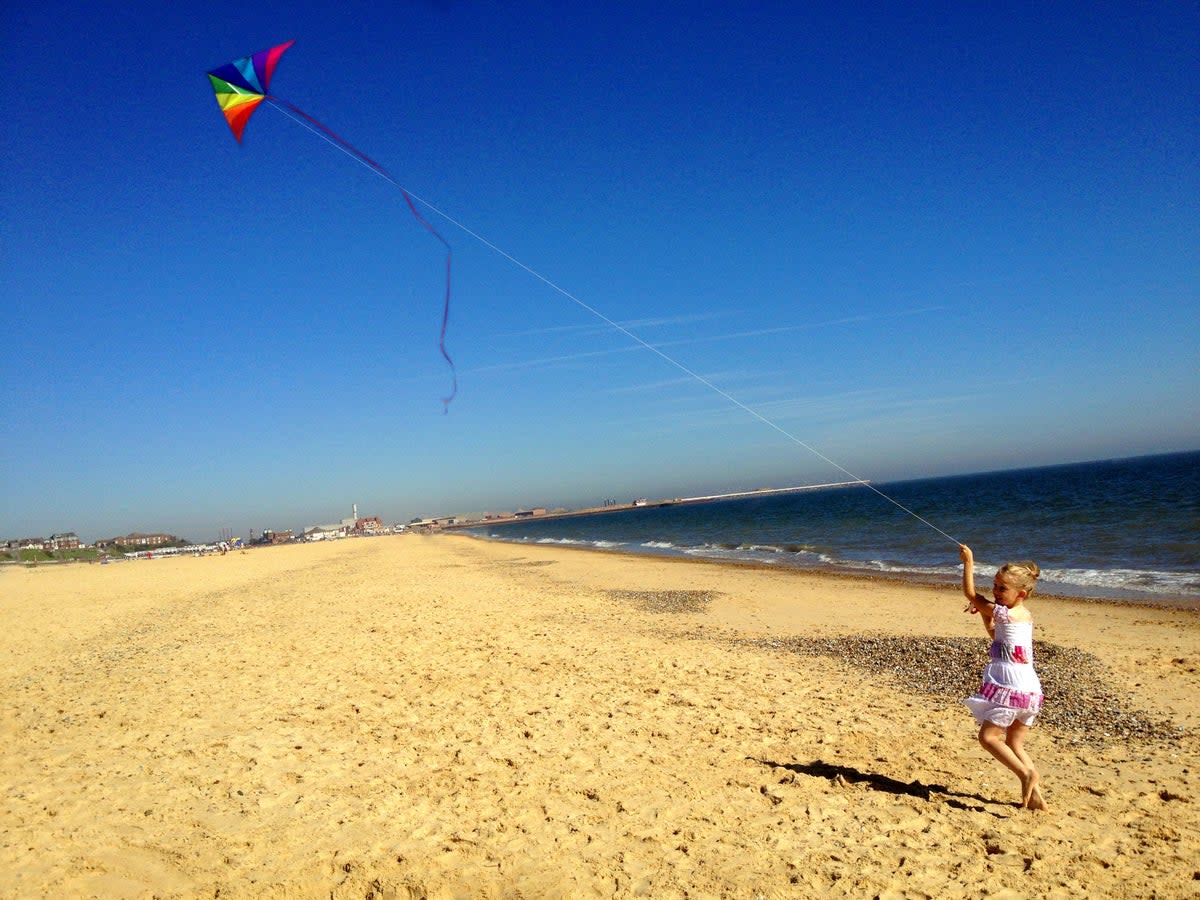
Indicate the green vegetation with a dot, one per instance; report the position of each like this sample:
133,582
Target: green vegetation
40,556
28,556
83,554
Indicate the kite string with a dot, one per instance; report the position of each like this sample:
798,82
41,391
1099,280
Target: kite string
678,365
409,197
329,135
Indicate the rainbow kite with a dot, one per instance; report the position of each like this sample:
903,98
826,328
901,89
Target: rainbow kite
240,86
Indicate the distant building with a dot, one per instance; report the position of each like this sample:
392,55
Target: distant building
528,513
369,525
137,539
278,537
68,540
324,532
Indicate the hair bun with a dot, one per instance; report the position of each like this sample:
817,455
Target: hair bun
1023,575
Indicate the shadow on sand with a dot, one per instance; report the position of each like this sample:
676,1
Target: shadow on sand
850,775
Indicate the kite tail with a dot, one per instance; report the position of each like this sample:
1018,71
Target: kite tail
379,170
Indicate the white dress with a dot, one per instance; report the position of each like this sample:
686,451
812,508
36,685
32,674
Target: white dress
1011,690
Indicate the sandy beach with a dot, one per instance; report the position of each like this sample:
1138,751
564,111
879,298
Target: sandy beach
444,717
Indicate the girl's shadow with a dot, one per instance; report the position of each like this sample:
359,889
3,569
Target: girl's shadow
851,775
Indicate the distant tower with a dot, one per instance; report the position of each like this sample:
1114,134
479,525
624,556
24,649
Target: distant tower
355,512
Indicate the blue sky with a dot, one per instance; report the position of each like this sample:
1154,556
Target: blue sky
924,241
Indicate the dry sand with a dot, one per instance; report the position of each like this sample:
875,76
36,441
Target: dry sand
442,717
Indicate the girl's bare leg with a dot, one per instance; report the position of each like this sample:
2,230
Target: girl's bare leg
1015,738
995,741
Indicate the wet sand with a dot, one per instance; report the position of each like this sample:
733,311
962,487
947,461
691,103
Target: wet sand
443,717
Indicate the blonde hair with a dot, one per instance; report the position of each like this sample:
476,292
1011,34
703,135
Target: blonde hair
1021,575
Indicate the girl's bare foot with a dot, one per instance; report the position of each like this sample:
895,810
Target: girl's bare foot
1029,786
1036,800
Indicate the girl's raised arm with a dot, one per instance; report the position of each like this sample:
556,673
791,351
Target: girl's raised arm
968,561
977,602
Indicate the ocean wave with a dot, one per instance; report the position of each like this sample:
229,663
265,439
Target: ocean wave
894,568
711,552
567,542
792,554
1078,581
658,545
1085,582
1184,584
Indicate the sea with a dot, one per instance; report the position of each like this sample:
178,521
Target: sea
1124,529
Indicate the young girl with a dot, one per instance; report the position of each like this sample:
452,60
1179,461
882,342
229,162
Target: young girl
1010,697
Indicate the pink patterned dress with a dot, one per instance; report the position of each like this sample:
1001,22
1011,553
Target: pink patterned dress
1011,690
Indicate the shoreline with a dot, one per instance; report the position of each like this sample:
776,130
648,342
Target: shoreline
1181,604
930,582
446,717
